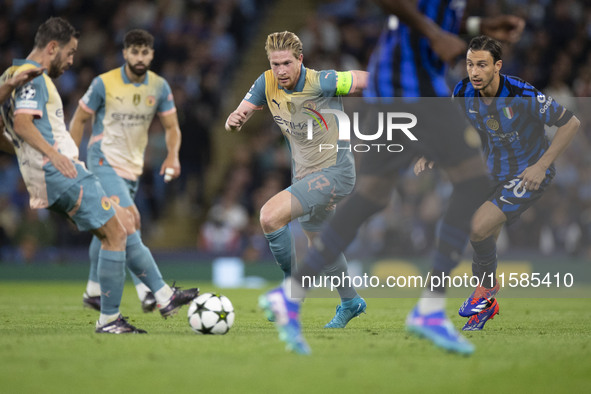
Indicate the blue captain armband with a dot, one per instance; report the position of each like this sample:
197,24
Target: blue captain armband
344,82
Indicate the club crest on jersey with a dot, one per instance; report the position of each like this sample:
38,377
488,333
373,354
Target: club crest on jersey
150,101
291,107
309,104
508,112
106,203
492,124
136,99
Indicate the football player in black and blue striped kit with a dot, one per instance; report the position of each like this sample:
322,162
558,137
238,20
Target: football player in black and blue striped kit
509,115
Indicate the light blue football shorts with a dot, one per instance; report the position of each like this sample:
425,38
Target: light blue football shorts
121,190
319,192
85,203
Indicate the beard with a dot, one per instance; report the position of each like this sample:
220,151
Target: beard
55,68
138,71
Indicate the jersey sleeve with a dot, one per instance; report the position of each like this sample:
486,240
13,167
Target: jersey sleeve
328,83
31,97
547,110
256,95
165,100
94,97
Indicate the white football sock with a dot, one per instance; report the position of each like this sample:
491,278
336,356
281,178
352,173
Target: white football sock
293,290
163,296
431,302
93,289
105,319
142,290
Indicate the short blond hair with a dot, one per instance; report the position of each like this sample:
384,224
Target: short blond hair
282,41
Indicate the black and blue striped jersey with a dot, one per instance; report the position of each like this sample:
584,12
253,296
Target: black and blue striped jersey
403,63
511,127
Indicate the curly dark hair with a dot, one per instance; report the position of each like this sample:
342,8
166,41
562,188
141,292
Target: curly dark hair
138,37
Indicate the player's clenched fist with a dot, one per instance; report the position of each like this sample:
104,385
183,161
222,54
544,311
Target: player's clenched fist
236,120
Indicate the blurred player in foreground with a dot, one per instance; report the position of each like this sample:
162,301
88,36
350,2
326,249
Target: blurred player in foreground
509,115
320,179
409,61
57,180
123,102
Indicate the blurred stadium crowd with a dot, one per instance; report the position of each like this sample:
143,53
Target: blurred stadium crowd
197,46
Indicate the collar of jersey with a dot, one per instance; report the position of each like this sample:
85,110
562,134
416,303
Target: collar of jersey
301,81
126,80
501,85
20,62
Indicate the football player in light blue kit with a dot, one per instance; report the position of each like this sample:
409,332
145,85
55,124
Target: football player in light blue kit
321,178
123,102
48,160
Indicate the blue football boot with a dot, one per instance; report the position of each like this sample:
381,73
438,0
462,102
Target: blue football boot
480,299
437,328
477,322
347,311
286,315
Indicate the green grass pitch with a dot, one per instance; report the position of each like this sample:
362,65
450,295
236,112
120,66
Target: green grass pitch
48,345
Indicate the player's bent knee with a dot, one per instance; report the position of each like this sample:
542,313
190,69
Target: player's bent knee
480,230
270,220
114,235
126,219
266,220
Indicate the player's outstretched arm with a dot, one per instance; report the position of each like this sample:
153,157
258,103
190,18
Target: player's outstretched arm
78,123
360,79
446,45
240,116
171,167
25,129
18,80
534,175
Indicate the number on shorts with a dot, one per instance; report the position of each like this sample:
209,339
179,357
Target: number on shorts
517,186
